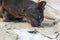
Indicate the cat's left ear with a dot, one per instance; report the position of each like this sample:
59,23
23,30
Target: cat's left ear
42,3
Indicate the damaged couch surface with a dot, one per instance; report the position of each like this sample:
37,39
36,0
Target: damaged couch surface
18,31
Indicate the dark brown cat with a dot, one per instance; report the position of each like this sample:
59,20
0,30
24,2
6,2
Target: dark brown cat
19,9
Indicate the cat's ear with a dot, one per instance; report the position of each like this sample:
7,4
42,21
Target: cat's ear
42,4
